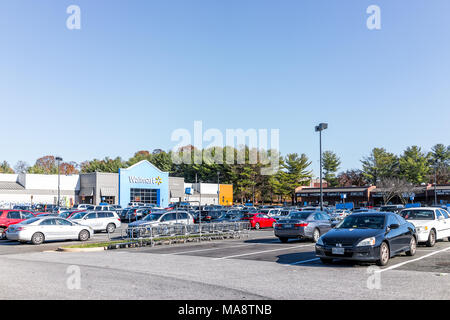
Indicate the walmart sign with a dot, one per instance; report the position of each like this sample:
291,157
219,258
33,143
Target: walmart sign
156,180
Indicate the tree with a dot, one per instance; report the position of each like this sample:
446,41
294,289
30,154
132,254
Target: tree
21,167
350,178
105,165
379,164
331,163
414,165
297,173
390,187
439,164
5,168
44,165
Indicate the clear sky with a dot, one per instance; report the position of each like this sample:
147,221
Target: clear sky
137,70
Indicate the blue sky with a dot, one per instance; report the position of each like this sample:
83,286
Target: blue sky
137,70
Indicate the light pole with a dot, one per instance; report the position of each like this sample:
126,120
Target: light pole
58,159
435,183
218,188
320,128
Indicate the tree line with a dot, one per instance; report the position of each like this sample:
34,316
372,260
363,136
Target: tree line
412,167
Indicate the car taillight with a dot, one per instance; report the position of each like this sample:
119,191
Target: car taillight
300,224
278,225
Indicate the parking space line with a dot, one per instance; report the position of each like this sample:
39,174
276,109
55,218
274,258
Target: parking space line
215,248
417,259
258,252
303,261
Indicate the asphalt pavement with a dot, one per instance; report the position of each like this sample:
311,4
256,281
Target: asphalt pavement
257,267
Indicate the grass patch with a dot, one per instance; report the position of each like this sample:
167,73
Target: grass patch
146,240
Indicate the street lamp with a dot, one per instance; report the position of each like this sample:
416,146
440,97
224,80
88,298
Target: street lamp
320,128
218,188
58,159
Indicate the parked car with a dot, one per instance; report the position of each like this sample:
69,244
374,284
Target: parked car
10,217
84,206
40,229
431,223
259,220
156,219
230,216
369,237
69,213
303,225
392,208
99,221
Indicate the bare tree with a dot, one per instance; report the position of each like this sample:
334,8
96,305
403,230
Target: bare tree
391,187
21,167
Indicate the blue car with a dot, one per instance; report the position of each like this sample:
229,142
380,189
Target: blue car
368,237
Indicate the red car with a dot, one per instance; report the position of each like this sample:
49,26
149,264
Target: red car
259,220
9,217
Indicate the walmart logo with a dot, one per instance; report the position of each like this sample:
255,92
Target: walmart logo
156,180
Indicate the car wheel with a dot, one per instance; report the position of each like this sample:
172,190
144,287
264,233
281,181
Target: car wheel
431,239
110,228
37,238
384,254
326,260
84,235
257,226
412,247
284,240
316,235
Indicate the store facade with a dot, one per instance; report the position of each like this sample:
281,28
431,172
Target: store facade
143,182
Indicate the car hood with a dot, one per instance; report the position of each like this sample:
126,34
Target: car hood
351,235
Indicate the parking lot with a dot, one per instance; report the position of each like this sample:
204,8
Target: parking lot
257,267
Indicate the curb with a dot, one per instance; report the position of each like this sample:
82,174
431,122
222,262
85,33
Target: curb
82,249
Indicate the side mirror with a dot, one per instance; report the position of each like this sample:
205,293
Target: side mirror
394,226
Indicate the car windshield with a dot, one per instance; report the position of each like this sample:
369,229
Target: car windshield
417,214
78,215
152,217
362,222
299,215
65,214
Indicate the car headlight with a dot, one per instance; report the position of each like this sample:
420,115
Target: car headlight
422,229
319,242
367,242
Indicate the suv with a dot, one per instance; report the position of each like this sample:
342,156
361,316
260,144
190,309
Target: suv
98,220
9,217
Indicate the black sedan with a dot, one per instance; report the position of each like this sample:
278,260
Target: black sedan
368,237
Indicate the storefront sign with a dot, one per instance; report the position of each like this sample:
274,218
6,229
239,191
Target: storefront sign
156,180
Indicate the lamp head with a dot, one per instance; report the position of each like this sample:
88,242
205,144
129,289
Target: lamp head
321,127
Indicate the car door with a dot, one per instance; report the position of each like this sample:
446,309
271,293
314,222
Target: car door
394,236
13,217
91,220
49,228
326,222
447,222
441,225
406,233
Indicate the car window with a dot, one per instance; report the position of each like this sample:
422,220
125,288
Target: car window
445,214
109,214
392,220
101,214
63,222
26,215
168,217
14,215
439,214
48,222
318,216
92,215
400,219
182,215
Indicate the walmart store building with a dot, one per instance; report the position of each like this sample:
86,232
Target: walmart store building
143,182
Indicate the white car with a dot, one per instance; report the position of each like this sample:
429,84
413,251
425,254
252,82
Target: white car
98,220
431,223
37,230
160,219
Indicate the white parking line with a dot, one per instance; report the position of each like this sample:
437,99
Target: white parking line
215,248
303,261
406,262
251,253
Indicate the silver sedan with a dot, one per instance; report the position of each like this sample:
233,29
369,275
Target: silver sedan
40,229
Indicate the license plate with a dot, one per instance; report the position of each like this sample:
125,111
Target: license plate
287,226
337,250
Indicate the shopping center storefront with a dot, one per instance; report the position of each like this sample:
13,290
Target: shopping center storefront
143,182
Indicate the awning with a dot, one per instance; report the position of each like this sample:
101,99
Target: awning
108,192
86,192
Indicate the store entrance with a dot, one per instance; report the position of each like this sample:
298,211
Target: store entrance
144,195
